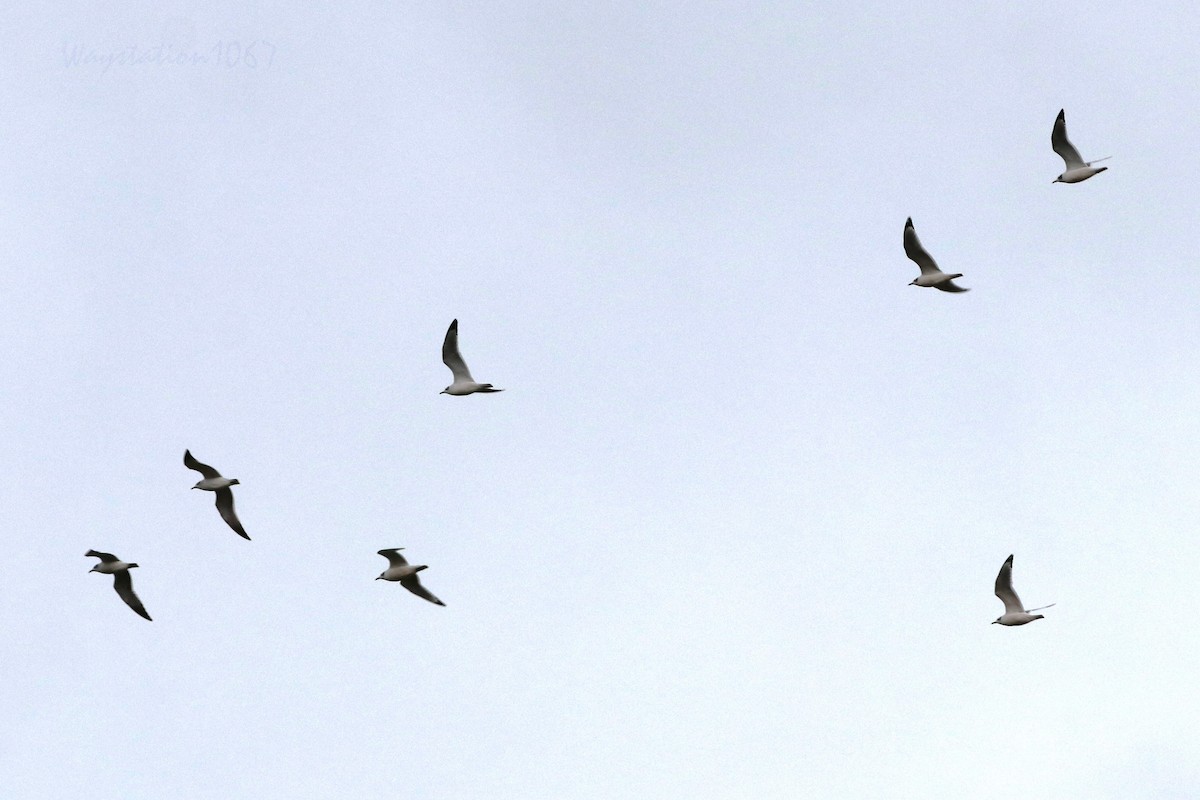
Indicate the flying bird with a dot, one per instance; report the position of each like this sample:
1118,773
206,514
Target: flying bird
1077,169
463,382
1014,612
213,482
930,274
122,582
400,570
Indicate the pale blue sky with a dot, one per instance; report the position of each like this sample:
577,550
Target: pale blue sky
732,528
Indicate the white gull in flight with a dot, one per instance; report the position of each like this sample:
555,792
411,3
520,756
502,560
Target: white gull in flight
213,482
930,274
1014,612
400,570
1077,169
463,382
122,582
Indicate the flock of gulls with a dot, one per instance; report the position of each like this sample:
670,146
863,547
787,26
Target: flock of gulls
1077,170
399,570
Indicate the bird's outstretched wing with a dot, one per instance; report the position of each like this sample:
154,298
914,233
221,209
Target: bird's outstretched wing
1062,145
203,469
393,556
452,358
413,585
1004,589
123,583
914,250
1040,608
225,507
951,286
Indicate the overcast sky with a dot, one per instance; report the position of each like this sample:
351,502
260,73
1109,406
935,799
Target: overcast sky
732,529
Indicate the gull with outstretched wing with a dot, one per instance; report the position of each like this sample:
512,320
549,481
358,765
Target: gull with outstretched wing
463,383
930,275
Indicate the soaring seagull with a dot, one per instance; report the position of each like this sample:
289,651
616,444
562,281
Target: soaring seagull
463,382
400,570
213,482
930,274
122,582
1014,612
1077,169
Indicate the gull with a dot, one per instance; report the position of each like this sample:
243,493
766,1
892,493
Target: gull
122,582
1077,169
463,382
213,482
400,570
1014,612
930,274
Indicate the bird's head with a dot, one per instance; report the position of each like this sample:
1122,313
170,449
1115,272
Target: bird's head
131,566
234,481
